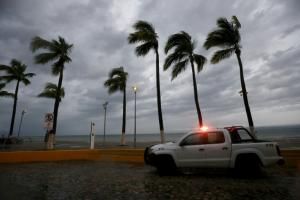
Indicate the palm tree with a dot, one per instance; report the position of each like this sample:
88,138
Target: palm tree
50,91
56,51
4,93
227,37
117,82
182,55
15,72
147,37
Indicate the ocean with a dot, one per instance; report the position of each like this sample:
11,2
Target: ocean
286,136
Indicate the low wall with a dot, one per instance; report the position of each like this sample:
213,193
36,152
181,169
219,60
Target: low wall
121,155
135,156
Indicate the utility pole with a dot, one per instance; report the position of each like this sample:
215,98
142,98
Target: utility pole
22,115
104,127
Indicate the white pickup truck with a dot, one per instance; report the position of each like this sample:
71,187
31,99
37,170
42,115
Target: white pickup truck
230,147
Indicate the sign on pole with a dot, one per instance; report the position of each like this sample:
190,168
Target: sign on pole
48,121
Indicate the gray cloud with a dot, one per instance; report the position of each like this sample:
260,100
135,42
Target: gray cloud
98,30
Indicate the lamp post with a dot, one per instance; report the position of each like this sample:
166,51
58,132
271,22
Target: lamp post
134,90
22,114
104,127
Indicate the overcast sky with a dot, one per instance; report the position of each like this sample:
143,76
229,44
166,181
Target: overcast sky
99,29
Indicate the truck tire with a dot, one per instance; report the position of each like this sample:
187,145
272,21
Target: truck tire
146,155
248,164
165,165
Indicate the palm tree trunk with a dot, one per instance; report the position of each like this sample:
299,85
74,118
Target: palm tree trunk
245,98
57,97
160,118
124,117
196,94
12,122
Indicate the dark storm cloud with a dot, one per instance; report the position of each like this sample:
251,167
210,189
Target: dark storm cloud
99,29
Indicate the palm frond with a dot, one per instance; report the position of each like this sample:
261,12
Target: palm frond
174,58
200,61
179,40
224,24
140,36
56,69
179,67
5,68
29,75
225,36
222,54
16,72
15,62
40,43
144,26
44,58
114,88
144,34
5,93
57,51
48,94
219,38
25,81
8,78
50,86
117,80
143,49
50,91
2,85
236,22
118,71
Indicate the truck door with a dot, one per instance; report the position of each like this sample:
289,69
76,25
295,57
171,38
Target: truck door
217,150
190,152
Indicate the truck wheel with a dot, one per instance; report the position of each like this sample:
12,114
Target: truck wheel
165,165
146,155
248,165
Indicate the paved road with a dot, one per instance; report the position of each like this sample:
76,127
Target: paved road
102,180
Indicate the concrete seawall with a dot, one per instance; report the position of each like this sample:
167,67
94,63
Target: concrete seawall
134,156
120,155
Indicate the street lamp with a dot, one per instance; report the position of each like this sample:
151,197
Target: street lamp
22,114
105,107
134,90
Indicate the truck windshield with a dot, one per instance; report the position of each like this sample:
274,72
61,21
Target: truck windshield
200,138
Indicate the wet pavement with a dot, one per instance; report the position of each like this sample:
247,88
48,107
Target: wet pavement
105,180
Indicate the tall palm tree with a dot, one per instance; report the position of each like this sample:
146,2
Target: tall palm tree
57,52
227,38
4,93
15,72
50,91
146,36
117,82
182,55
